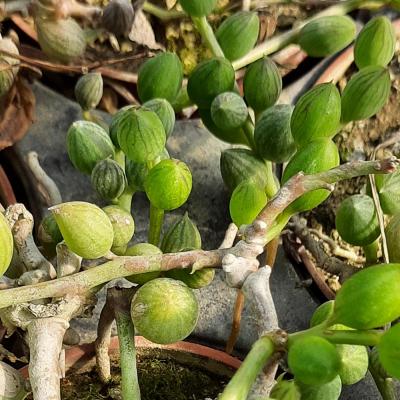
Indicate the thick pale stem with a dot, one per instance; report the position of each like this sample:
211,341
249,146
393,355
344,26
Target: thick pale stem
280,41
45,337
239,386
156,223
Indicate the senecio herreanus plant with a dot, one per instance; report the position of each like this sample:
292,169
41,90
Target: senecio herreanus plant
346,336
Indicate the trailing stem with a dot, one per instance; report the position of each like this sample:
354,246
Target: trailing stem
239,386
156,223
45,337
126,334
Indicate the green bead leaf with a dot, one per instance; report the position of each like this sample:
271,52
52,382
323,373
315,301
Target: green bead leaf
357,221
122,223
229,111
238,34
168,184
327,35
273,136
262,84
164,311
328,391
389,351
160,77
209,79
375,44
316,114
86,228
198,8
365,94
369,299
313,360
247,200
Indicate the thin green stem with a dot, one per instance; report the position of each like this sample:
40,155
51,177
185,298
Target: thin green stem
272,187
362,338
241,383
280,41
279,225
162,13
384,384
125,200
371,253
120,158
208,36
248,129
156,223
126,334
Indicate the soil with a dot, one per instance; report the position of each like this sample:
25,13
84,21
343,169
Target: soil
159,379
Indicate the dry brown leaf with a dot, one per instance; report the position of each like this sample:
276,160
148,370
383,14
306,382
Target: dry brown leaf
142,32
170,3
16,113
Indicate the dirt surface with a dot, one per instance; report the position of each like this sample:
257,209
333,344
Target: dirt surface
159,380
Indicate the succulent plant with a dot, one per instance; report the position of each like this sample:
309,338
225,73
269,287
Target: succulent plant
272,134
209,79
164,111
9,66
247,200
62,39
198,8
164,321
6,245
160,77
229,111
238,165
118,16
316,114
392,231
388,350
141,134
183,235
357,221
86,228
238,34
327,35
108,179
123,226
262,84
365,94
143,249
375,44
234,136
87,144
370,298
313,360
168,184
320,155
89,90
